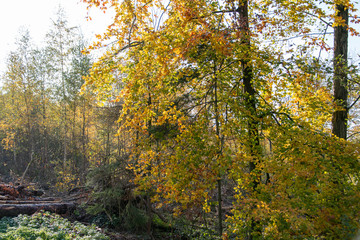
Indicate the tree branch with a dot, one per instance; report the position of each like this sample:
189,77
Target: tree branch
321,19
130,45
357,99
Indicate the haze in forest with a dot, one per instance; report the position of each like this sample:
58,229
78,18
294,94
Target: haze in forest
37,17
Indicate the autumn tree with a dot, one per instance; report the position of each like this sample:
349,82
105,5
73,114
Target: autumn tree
23,119
60,39
35,95
216,91
68,66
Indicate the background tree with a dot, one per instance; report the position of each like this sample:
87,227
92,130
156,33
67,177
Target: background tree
60,40
33,119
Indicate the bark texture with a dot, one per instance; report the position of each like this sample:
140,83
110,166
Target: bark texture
250,103
340,116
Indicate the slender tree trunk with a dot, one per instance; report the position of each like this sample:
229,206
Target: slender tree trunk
15,133
217,125
339,118
31,142
44,145
14,151
250,101
30,137
62,64
148,194
29,164
45,154
83,140
107,146
74,150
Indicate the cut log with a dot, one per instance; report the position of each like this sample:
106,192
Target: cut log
12,210
19,191
6,197
28,202
26,199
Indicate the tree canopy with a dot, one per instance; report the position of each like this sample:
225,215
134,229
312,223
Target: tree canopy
236,91
242,112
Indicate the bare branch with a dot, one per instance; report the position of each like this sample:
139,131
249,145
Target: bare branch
352,135
162,14
329,24
357,99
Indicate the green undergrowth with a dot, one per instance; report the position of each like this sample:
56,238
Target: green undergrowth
46,226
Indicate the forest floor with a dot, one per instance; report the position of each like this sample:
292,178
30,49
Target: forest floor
29,198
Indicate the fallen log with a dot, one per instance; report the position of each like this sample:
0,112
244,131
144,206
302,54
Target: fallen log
7,197
12,210
28,202
20,191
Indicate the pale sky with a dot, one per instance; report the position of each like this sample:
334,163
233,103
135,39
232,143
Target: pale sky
36,16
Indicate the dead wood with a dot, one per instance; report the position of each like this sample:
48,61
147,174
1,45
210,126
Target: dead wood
21,199
28,202
12,210
10,192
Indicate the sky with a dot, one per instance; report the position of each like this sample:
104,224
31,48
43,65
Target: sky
36,15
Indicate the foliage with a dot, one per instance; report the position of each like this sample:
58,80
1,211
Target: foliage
44,225
189,230
310,178
135,218
108,191
44,134
215,90
113,195
193,98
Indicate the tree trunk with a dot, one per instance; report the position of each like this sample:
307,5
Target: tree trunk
220,147
83,141
249,90
339,118
148,194
12,210
29,164
250,102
